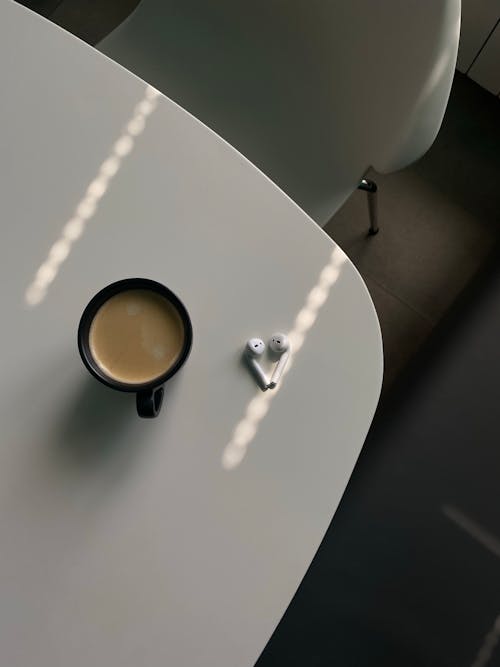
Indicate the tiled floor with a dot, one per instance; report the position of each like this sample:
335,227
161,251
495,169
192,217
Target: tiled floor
439,220
408,574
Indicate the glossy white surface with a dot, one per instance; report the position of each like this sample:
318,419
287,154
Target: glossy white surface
312,91
125,541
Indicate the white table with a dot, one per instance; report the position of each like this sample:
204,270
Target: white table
177,541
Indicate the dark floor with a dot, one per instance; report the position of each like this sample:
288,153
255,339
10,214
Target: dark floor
408,574
439,220
91,20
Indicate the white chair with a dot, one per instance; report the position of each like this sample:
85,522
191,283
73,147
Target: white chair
314,92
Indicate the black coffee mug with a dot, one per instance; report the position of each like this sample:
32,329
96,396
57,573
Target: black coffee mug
149,393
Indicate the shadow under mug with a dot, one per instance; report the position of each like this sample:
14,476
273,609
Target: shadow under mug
149,395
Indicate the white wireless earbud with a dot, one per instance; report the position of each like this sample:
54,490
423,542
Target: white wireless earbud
254,349
280,348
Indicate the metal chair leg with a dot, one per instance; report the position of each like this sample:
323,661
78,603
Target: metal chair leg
370,187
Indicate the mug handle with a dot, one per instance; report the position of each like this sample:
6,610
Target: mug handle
149,402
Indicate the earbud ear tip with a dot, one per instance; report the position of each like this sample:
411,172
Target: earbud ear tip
255,347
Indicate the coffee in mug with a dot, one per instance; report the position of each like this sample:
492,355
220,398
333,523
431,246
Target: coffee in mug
133,336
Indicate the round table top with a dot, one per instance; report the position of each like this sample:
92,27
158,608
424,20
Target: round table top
179,540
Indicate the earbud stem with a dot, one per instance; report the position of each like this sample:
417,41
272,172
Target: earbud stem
259,374
278,371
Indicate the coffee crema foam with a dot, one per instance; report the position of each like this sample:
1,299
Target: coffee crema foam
136,336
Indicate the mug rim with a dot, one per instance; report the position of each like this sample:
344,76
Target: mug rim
104,295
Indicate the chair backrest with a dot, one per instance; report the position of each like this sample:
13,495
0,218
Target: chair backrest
313,92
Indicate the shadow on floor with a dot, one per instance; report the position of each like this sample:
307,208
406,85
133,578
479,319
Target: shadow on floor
409,570
440,218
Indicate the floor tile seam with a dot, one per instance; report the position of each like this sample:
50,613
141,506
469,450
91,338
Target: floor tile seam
428,319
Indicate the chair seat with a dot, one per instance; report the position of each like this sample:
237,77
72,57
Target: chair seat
313,93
